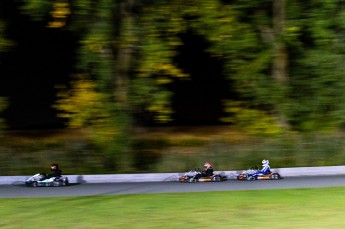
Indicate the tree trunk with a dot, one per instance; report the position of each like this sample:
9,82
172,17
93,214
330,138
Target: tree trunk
280,57
123,50
280,61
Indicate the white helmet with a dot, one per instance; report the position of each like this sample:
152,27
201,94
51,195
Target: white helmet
207,165
265,162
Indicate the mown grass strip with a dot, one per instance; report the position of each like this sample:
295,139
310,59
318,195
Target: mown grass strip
292,208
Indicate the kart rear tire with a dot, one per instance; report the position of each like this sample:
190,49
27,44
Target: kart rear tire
275,176
216,179
241,177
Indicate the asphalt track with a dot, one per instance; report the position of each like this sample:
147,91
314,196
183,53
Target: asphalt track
88,189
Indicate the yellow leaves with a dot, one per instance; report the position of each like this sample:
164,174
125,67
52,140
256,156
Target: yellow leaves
59,15
164,70
85,92
170,69
163,80
82,104
163,113
175,42
253,121
85,107
226,20
293,29
94,48
61,10
95,42
56,24
292,32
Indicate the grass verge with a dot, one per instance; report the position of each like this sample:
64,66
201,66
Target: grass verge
291,208
167,149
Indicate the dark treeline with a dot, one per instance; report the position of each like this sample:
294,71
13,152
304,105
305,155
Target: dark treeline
266,66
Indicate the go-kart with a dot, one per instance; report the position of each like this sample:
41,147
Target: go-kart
42,180
249,175
189,177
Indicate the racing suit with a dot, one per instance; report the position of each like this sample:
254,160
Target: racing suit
266,169
208,172
57,173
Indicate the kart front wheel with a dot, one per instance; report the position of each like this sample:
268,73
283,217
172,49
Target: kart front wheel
34,184
192,180
251,178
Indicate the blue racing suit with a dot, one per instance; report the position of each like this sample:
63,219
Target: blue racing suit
265,170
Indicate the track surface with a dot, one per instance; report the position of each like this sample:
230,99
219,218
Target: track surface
21,191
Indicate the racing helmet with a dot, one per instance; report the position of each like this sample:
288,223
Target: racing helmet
207,165
54,167
265,162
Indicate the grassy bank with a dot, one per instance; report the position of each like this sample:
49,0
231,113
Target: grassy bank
294,208
168,150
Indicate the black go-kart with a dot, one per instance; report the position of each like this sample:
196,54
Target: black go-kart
42,180
189,177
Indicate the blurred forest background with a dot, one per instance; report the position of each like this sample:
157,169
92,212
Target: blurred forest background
120,86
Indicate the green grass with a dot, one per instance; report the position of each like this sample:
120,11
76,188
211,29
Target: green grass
291,208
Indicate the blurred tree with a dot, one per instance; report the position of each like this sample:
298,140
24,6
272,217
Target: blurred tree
292,68
241,36
3,105
91,100
285,58
99,100
318,67
159,24
5,44
98,97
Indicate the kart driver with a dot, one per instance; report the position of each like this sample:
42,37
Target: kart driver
266,169
57,171
206,173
